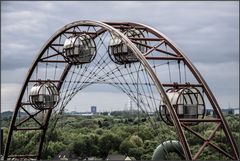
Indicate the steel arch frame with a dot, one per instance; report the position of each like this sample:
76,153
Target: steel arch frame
208,92
112,27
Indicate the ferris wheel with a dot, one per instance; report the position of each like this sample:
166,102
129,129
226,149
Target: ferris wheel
138,60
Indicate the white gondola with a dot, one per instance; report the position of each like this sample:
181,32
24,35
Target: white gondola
188,103
120,53
79,49
44,96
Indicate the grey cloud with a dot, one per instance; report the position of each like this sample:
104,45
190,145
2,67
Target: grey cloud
207,32
194,26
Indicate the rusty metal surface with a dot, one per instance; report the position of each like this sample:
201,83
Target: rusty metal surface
208,92
113,27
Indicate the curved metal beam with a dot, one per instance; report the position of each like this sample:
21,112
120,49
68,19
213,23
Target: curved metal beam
159,87
29,74
110,27
137,53
201,80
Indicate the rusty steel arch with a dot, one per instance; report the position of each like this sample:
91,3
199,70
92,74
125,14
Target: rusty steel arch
144,58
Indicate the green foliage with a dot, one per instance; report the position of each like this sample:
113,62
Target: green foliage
24,139
53,149
149,147
122,133
136,152
146,132
108,141
125,146
85,146
136,140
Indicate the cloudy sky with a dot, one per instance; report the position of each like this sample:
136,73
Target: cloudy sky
207,32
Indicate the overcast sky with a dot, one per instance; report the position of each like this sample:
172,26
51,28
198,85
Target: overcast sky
207,32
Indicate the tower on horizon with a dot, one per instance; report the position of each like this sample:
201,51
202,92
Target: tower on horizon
94,109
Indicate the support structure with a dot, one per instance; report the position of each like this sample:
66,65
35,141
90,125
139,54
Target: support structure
52,65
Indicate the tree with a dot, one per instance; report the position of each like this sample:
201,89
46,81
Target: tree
108,142
150,146
132,146
85,146
53,149
82,136
146,133
136,152
136,140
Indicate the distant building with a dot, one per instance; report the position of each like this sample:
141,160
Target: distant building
93,109
236,111
225,111
228,111
80,113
